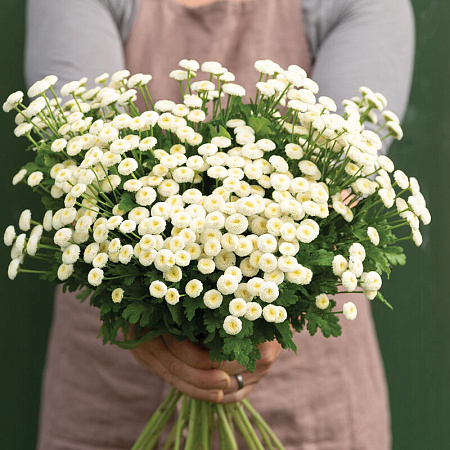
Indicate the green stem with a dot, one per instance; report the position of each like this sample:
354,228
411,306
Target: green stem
258,419
227,433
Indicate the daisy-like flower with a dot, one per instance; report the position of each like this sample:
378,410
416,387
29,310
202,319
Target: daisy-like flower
127,166
157,289
349,281
126,253
227,284
172,296
127,226
269,291
13,268
322,301
62,237
145,196
9,235
95,276
357,251
25,220
35,178
212,299
71,254
232,325
238,307
194,288
233,89
349,310
394,130
100,260
305,233
270,313
236,223
288,231
19,176
373,235
253,311
117,295
356,266
265,88
372,281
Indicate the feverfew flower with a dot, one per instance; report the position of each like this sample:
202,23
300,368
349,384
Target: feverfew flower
271,313
194,288
117,295
238,307
172,296
157,289
322,301
349,310
212,299
232,325
373,235
349,281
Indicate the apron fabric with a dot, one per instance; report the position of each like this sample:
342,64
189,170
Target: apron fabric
332,395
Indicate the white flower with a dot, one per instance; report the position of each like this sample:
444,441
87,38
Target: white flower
127,226
349,281
145,196
357,250
100,260
127,166
62,237
157,289
356,266
322,301
288,231
117,295
417,237
373,235
401,179
9,235
227,284
349,310
269,291
19,176
372,282
35,178
253,312
386,163
69,88
25,220
305,234
95,276
395,130
298,276
212,299
221,141
232,325
287,263
233,89
194,288
265,88
125,254
13,268
271,313
71,254
238,307
236,223
172,296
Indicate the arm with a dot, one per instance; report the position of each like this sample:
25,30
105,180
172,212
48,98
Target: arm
71,39
362,42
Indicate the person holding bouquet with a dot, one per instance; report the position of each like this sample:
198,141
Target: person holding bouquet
333,394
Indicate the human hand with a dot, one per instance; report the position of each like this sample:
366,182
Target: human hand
269,353
185,366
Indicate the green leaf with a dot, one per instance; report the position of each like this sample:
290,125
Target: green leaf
395,255
134,311
383,299
190,306
84,294
212,323
284,335
261,125
320,258
223,132
240,350
287,297
50,160
176,313
127,202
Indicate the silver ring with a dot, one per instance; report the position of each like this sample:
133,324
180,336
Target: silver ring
240,381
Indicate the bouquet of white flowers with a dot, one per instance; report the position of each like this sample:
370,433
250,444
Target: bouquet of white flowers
219,221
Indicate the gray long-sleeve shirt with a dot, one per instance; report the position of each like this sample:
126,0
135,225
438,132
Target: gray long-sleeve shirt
353,43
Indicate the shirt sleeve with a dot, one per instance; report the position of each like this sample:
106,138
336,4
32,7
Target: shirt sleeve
71,39
362,42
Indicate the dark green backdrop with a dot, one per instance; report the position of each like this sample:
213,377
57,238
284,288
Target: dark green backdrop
415,339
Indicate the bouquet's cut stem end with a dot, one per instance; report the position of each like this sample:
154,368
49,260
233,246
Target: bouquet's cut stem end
198,424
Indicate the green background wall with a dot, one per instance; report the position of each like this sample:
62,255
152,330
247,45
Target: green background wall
415,338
